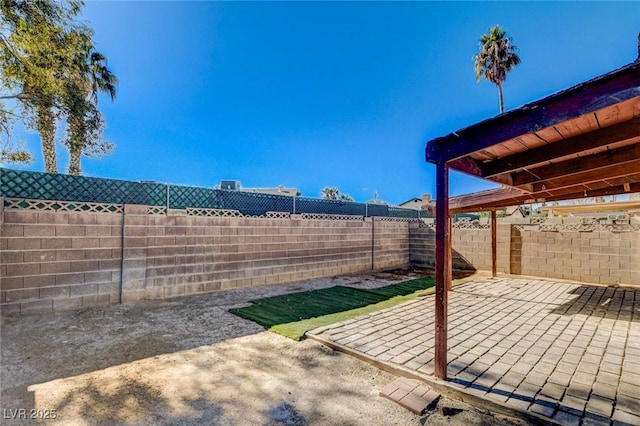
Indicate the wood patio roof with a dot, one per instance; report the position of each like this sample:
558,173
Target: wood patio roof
580,142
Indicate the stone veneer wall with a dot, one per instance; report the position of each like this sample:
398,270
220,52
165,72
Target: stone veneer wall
61,260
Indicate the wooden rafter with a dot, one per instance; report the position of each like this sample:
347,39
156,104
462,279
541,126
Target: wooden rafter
583,167
550,152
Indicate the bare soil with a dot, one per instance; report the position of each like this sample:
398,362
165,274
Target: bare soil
189,361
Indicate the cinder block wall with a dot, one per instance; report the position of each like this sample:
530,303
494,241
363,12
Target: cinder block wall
603,257
172,255
391,243
54,261
471,247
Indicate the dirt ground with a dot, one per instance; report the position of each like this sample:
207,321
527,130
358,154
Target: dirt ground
188,361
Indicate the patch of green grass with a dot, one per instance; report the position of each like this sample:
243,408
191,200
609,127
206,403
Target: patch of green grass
296,330
294,314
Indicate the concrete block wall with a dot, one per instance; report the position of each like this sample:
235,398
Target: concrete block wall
62,260
391,243
471,247
602,257
54,261
172,255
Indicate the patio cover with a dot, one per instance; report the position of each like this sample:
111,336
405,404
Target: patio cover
580,142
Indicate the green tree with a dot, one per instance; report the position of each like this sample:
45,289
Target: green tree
32,59
332,193
85,123
50,69
496,58
10,152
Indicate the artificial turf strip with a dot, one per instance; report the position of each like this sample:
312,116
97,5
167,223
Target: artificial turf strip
293,314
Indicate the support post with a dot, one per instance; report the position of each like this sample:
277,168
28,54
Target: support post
494,245
443,271
448,272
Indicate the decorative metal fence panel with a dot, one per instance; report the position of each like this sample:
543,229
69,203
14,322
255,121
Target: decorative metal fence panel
59,187
181,197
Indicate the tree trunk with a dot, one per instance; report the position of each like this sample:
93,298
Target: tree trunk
75,143
74,162
47,129
500,98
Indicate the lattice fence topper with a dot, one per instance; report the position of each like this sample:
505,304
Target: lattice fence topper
423,224
234,213
60,187
395,219
277,215
157,210
315,216
214,213
470,224
580,227
63,206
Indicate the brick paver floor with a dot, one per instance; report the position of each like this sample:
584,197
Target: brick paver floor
569,352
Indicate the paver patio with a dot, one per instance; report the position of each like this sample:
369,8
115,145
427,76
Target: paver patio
564,352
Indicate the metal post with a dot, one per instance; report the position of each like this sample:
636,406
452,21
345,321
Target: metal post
294,204
168,185
443,272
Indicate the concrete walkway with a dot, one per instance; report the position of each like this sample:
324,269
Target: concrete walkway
566,353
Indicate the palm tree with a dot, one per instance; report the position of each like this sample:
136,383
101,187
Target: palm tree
30,66
496,58
85,123
32,58
333,193
329,193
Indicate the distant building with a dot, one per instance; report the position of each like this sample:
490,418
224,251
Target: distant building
595,210
234,185
424,203
280,190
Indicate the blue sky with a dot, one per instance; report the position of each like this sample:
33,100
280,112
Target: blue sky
310,95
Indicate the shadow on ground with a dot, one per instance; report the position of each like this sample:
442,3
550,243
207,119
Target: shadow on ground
43,349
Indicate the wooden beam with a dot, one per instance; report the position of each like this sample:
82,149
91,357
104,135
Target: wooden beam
580,143
601,192
579,165
599,93
443,273
467,165
466,204
448,272
494,245
484,197
613,171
